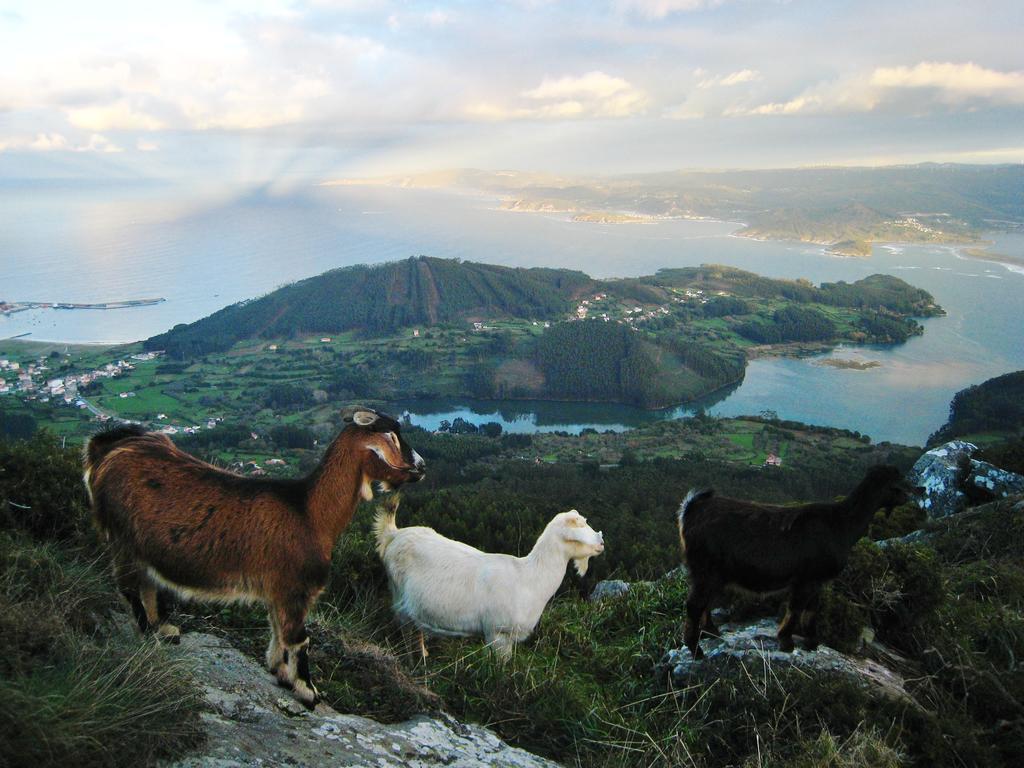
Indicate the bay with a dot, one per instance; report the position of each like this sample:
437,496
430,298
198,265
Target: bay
204,249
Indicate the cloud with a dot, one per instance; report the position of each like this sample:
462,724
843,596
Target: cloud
117,116
955,82
594,94
659,9
922,88
57,142
727,81
146,146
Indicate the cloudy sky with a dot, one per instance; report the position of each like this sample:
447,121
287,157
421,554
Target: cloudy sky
245,88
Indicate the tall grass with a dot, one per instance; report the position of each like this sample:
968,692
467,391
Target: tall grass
77,686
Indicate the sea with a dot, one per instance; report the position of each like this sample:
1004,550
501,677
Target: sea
200,249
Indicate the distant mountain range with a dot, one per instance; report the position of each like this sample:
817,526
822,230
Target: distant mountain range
845,208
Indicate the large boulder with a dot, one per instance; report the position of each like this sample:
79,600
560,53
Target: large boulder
953,480
251,722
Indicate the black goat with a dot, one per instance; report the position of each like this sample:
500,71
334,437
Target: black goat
766,548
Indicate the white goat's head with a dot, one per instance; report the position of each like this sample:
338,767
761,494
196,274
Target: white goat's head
580,540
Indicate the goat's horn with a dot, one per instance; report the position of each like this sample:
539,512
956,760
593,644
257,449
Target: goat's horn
359,415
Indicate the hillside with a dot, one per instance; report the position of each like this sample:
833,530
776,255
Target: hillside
994,407
380,299
918,667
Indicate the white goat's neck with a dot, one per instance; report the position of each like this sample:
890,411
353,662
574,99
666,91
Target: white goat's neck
546,563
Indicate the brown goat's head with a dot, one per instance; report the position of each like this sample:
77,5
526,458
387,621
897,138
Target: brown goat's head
386,458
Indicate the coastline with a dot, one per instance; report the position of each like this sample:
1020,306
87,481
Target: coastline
1012,263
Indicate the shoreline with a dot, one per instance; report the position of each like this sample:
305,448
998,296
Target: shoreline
1011,263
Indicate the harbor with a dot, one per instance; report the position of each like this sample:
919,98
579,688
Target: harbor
10,307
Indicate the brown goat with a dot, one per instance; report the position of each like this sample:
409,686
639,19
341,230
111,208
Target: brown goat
177,523
764,548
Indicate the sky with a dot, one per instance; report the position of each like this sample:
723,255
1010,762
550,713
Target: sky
258,89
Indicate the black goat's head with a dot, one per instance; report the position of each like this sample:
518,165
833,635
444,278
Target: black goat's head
896,490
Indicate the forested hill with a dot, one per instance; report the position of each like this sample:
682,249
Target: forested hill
874,292
995,406
382,298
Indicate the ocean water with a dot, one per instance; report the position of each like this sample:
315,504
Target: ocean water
202,250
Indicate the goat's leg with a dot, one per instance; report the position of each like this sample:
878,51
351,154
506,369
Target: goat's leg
129,583
794,608
275,651
697,605
809,617
156,614
501,644
294,672
708,624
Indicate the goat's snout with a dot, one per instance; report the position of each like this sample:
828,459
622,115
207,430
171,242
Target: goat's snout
600,542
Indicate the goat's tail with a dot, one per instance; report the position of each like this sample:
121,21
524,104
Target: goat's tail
693,496
384,528
102,443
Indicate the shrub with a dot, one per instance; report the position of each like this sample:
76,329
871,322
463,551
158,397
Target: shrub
41,488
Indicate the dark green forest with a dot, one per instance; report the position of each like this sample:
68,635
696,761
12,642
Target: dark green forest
996,405
380,299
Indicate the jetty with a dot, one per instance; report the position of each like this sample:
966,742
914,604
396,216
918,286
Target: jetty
10,307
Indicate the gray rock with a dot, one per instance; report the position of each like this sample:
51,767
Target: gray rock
919,536
608,588
941,472
252,722
754,646
995,481
948,471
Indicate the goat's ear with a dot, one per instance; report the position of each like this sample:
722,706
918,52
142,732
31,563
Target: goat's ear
574,534
362,417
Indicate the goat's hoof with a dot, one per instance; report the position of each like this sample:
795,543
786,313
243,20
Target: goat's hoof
786,644
306,693
811,645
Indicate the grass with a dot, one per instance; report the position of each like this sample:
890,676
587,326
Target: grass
76,687
583,691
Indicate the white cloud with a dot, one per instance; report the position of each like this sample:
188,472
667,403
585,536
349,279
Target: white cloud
46,142
727,81
57,142
116,116
954,81
659,9
594,94
918,89
146,146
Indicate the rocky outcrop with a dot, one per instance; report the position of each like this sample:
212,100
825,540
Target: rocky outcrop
609,588
252,722
953,480
741,645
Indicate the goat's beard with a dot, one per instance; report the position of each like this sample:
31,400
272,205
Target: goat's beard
581,563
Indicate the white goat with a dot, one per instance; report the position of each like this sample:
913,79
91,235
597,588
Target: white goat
446,587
